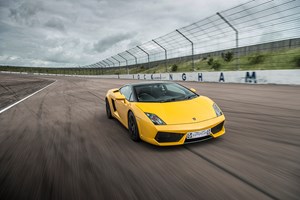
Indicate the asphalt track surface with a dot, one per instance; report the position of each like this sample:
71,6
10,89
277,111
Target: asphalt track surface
14,88
58,144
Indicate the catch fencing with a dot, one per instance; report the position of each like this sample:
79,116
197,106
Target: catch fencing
239,29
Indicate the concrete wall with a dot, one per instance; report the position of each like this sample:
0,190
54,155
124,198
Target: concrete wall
291,77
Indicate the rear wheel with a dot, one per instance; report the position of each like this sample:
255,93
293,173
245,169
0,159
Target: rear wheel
108,111
133,128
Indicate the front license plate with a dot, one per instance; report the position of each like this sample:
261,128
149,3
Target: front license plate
198,134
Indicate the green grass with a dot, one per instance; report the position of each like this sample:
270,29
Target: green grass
283,59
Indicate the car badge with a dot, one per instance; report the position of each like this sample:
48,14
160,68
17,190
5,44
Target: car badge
194,118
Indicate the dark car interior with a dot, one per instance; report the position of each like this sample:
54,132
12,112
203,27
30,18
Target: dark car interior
157,93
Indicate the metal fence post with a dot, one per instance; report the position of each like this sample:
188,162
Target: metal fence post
166,54
113,64
119,64
117,61
106,63
236,39
147,55
103,66
126,62
133,56
193,64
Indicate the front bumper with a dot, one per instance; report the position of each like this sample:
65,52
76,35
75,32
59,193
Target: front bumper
169,135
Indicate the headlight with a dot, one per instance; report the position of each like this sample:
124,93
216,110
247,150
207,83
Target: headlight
217,110
156,120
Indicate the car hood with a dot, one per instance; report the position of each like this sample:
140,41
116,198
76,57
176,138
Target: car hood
181,112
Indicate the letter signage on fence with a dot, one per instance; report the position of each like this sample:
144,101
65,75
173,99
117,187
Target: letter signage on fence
222,77
200,78
250,79
256,77
183,76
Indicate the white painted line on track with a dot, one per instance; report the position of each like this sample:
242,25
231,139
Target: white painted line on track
5,109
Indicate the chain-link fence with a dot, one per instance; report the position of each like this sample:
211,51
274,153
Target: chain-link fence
246,29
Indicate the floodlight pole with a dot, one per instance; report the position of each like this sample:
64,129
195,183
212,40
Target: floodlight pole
166,55
236,39
147,55
193,63
126,62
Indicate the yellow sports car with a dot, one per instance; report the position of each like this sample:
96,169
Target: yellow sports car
165,113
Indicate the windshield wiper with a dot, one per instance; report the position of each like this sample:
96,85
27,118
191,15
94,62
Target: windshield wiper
168,100
179,98
191,96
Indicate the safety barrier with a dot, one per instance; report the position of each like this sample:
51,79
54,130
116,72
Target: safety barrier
256,77
291,77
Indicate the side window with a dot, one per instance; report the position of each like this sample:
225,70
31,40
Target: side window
126,91
131,97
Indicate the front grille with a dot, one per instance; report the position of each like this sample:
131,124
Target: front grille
217,128
168,137
197,139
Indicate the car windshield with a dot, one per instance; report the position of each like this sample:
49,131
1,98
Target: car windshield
162,92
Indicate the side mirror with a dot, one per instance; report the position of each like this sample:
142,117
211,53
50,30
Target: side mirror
193,90
120,96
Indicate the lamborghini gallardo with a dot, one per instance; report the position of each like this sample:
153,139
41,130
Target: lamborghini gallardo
165,113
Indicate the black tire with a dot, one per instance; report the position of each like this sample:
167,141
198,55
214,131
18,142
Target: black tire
133,128
108,111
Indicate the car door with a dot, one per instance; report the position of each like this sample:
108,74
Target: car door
122,106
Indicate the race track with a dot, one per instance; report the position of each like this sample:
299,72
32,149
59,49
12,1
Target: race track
58,144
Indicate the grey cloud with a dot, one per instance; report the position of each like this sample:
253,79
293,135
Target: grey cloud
133,43
55,23
58,58
4,3
76,32
110,41
26,12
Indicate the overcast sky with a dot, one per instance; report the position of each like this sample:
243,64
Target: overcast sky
66,33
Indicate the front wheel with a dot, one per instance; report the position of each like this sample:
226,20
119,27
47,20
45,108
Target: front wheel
133,128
